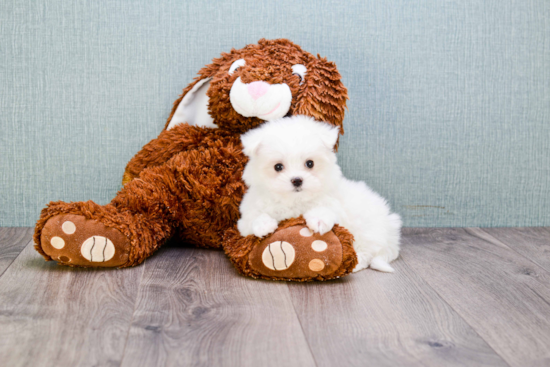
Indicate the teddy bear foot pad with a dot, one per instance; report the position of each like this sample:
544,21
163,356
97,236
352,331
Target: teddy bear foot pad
296,252
74,240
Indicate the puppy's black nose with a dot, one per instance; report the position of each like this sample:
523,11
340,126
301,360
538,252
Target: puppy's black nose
296,181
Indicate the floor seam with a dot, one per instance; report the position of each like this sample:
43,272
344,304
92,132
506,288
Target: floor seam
509,247
15,258
133,315
301,326
454,309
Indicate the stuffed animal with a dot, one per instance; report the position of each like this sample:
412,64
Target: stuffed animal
188,181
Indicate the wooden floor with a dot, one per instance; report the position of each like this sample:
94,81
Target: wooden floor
464,297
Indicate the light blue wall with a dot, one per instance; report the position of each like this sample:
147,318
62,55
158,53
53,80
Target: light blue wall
449,115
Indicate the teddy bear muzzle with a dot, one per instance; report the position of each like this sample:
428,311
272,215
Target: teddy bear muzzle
260,99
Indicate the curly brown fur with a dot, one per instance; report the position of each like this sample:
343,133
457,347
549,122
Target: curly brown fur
182,137
197,192
188,180
321,96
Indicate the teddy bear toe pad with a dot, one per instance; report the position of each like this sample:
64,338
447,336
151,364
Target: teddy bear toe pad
296,252
74,240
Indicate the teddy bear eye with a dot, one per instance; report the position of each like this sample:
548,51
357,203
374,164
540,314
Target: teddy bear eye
236,64
309,164
278,167
299,70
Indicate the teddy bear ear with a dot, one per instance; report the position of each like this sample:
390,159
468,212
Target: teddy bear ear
192,107
325,95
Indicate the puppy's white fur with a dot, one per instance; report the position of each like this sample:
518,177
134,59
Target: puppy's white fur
325,197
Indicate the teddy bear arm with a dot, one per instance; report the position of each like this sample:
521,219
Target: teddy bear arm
168,144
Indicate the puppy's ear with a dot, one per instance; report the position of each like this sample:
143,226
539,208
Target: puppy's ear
329,135
252,141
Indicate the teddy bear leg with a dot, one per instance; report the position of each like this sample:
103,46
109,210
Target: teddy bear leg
293,253
123,233
69,235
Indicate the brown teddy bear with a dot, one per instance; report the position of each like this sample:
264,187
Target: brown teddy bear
187,182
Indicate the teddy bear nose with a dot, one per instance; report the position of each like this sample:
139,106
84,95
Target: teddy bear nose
257,89
296,181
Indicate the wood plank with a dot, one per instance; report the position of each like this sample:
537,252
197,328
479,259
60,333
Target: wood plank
12,241
379,319
60,316
194,309
531,242
501,294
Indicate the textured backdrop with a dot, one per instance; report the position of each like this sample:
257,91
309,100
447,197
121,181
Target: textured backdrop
449,115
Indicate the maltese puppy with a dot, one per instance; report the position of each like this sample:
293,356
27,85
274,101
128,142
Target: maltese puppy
292,171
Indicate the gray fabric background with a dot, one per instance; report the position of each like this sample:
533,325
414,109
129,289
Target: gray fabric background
449,115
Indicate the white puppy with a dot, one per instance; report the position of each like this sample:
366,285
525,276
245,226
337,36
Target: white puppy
292,171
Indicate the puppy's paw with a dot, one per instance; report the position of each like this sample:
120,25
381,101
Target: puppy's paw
264,225
320,220
319,225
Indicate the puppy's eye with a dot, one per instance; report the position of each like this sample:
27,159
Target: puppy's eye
236,65
279,167
299,70
309,164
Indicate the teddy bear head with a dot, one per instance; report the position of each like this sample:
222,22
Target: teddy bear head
262,82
